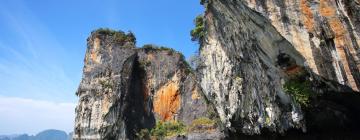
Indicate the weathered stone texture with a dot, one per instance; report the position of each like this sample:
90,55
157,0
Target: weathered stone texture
125,89
252,48
325,32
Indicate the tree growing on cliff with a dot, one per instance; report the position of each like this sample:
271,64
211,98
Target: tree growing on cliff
202,2
198,32
130,37
118,36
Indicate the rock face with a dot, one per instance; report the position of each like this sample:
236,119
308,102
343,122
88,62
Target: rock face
125,89
252,48
270,69
240,54
325,32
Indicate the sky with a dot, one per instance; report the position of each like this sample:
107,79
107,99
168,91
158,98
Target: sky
43,44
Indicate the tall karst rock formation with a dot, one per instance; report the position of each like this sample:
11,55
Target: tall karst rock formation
126,89
267,69
258,54
325,32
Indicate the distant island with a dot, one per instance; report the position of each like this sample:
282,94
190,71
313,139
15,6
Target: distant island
50,134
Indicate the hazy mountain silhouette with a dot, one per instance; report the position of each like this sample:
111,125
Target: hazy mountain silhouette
50,134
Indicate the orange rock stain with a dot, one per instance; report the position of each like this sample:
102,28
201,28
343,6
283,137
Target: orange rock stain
294,70
337,27
94,51
340,43
325,9
340,37
308,16
167,101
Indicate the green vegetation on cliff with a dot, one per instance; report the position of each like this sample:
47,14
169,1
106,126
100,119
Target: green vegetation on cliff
198,32
118,36
151,47
202,2
300,89
202,123
162,130
173,128
166,129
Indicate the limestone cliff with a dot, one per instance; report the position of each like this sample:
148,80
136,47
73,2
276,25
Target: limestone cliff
126,89
273,69
254,49
325,32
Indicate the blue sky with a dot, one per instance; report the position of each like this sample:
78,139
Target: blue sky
42,45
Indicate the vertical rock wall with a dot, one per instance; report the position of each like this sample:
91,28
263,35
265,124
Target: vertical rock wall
125,89
250,50
239,72
325,32
252,47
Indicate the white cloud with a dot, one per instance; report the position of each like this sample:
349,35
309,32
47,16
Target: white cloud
19,115
35,70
